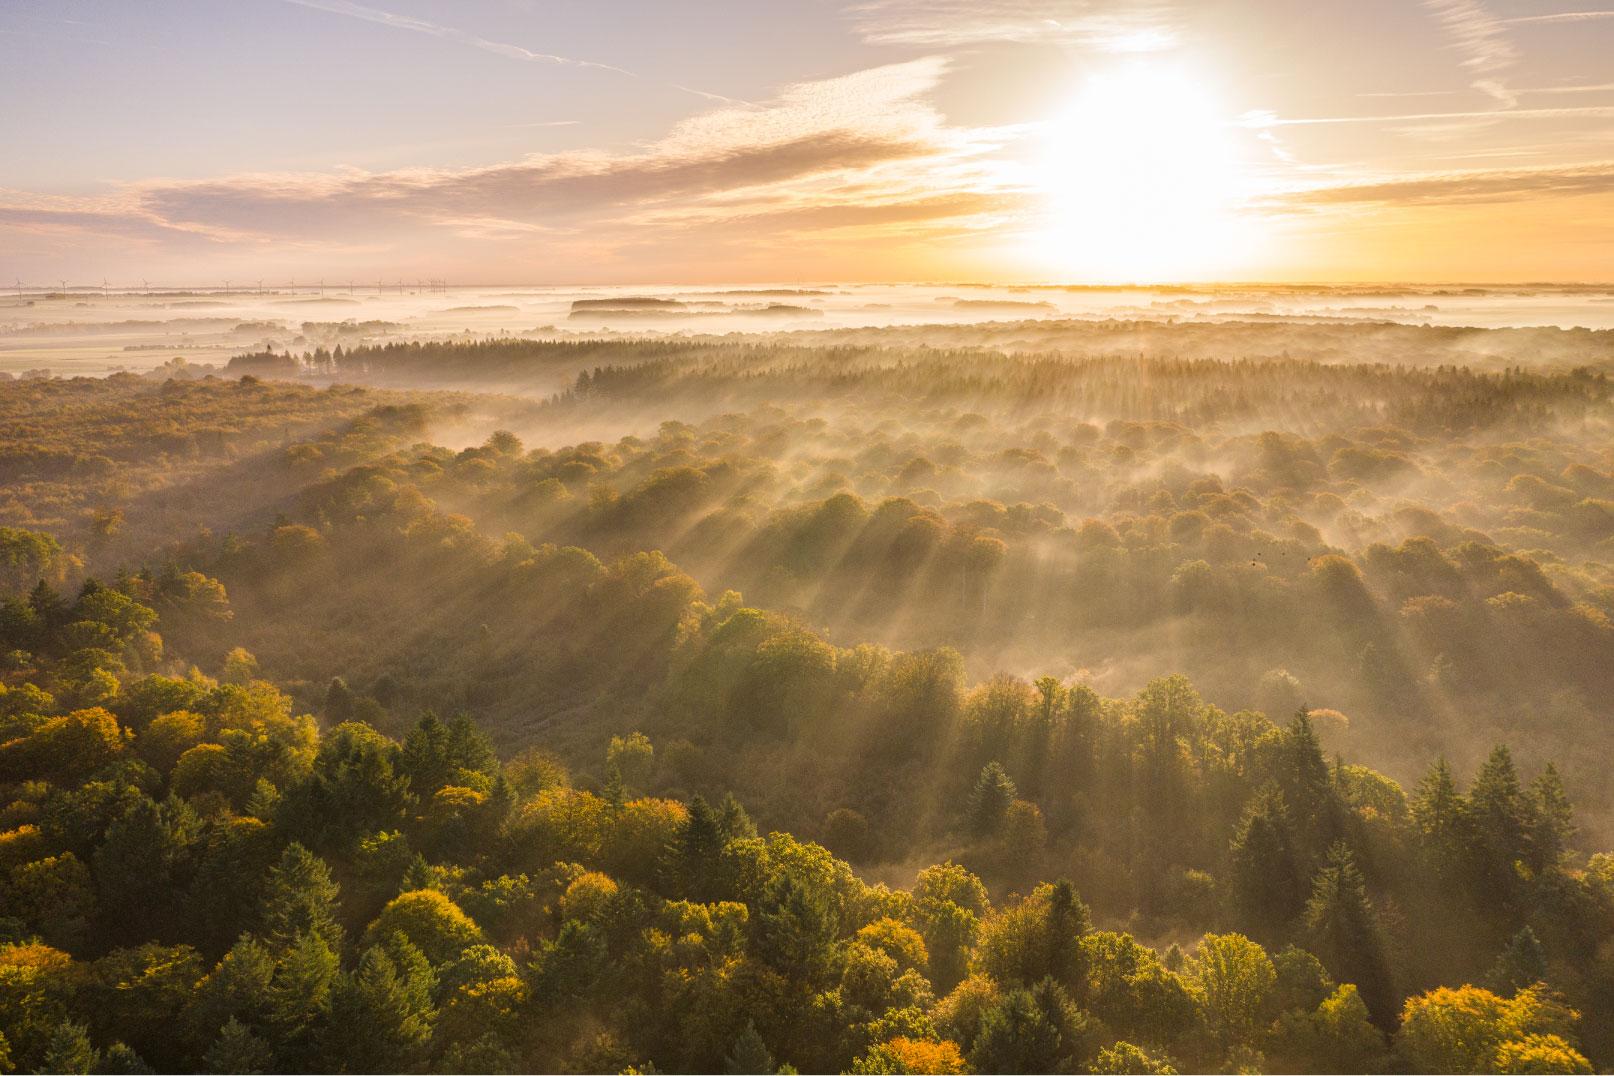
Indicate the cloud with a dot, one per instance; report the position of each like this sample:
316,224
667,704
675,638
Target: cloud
1564,16
863,150
1261,118
1105,25
1588,87
1473,187
499,48
1479,38
421,26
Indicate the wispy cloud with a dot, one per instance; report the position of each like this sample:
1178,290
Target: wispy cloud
1563,16
1481,41
421,26
1409,93
863,150
1262,119
1469,187
1105,25
499,48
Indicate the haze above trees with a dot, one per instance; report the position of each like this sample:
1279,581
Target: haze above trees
844,701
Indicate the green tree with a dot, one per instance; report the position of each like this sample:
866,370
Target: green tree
990,799
1037,938
750,1054
238,1050
299,1001
1267,873
300,898
1440,814
430,921
1125,1059
633,756
1030,1030
1522,963
378,1024
1344,931
692,859
1237,979
793,928
69,1050
1552,823
1500,815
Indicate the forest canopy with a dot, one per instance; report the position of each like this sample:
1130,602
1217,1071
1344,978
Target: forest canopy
800,703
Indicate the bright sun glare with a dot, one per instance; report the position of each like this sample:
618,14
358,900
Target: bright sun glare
1143,180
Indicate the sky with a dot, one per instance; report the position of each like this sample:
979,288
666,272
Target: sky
596,142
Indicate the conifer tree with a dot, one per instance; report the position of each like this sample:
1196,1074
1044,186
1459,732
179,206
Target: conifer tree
377,1023
238,1050
750,1054
69,1050
300,898
1523,963
1343,929
990,799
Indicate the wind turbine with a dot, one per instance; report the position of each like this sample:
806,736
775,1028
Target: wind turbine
19,287
103,287
260,285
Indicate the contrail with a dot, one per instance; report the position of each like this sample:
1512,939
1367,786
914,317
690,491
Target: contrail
498,48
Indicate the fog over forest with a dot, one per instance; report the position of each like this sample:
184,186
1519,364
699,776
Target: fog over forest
921,678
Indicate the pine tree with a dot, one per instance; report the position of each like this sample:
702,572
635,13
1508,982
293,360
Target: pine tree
469,748
120,1060
793,929
1308,787
1440,813
750,1054
1068,920
426,756
299,998
1552,822
990,799
1017,1035
300,898
1523,963
69,1050
238,1050
418,875
48,607
263,802
735,824
1343,928
340,702
1268,881
1501,825
377,1023
693,856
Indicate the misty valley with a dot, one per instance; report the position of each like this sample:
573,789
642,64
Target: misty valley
1042,694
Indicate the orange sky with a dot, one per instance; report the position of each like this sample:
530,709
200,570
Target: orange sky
886,139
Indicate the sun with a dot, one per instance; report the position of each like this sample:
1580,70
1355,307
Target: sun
1143,181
